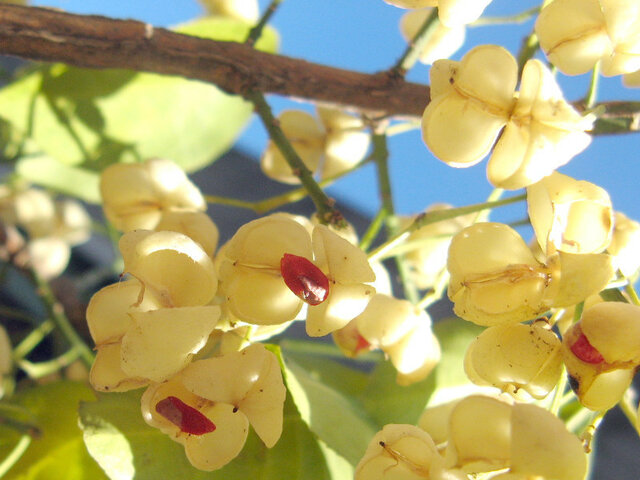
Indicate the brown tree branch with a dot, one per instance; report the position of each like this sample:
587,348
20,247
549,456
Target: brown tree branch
97,42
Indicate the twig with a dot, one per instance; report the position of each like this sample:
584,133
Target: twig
327,213
92,41
98,42
416,45
255,32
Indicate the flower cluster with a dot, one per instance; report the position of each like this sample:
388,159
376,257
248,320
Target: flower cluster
186,322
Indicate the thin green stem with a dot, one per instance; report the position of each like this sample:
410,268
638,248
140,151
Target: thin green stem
528,49
327,213
32,340
437,216
437,292
631,292
15,455
373,230
592,92
416,45
256,31
381,159
42,369
276,201
233,202
507,19
56,314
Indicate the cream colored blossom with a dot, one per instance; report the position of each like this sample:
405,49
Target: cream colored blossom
403,333
400,452
496,279
350,277
470,103
196,225
516,358
135,195
443,42
472,100
577,34
494,276
570,215
250,269
625,245
602,352
137,341
487,435
245,10
209,406
328,145
543,133
171,265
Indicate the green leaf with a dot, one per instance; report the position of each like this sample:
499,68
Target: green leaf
388,402
348,381
335,418
127,448
59,452
88,119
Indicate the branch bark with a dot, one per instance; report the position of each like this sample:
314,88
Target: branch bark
92,41
98,42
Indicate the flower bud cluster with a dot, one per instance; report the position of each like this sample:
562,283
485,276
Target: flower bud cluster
328,145
52,226
578,34
479,435
473,102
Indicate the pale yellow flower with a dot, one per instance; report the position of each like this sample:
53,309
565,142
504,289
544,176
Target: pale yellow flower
577,34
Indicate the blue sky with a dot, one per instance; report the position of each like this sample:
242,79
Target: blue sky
363,35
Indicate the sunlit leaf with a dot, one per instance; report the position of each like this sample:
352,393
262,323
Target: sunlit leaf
59,452
335,418
88,119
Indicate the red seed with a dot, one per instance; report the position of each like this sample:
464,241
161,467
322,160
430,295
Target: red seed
185,417
362,344
304,279
585,351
